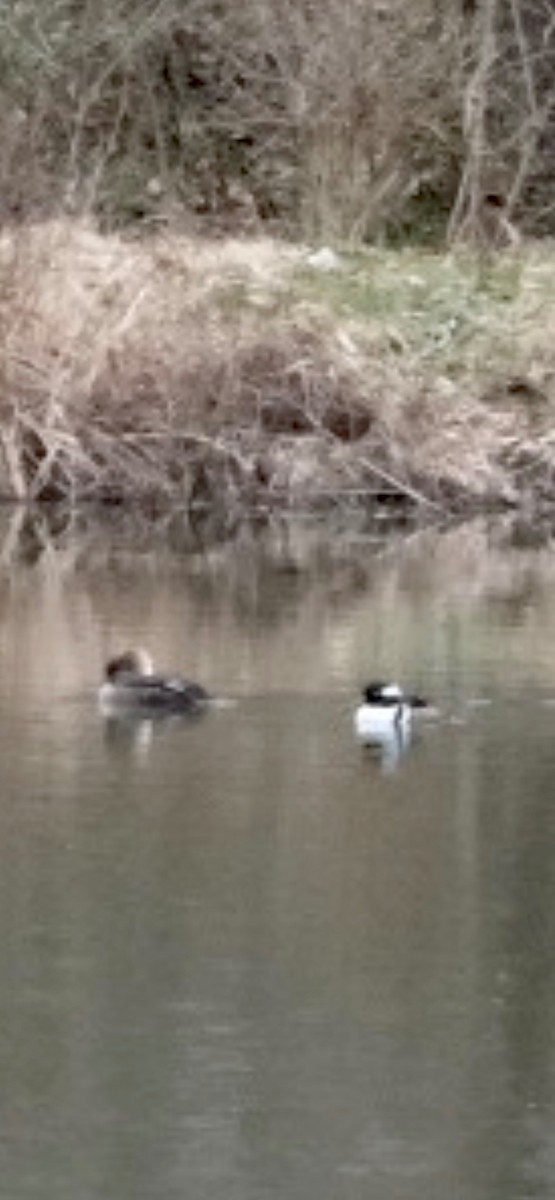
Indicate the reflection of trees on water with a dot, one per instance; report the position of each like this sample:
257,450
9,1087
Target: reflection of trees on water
27,535
520,883
354,604
75,536
505,787
90,536
261,570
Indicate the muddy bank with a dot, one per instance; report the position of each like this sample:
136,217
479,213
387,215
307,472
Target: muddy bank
180,374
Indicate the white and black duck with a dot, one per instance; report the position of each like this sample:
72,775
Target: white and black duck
385,709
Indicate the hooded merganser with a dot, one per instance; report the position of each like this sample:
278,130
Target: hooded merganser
130,685
385,707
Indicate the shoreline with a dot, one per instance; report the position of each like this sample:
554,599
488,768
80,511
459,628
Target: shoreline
173,373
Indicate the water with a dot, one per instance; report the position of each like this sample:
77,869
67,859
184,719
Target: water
240,957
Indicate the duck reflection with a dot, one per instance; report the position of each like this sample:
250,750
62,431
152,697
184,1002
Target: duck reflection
133,734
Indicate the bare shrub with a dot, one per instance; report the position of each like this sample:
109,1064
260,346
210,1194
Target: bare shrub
335,120
508,122
132,373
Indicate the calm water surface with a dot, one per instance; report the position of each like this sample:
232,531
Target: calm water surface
240,957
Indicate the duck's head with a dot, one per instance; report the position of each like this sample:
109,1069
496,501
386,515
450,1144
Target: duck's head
130,664
385,694
382,693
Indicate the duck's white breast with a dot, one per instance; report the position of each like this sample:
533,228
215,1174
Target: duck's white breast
374,720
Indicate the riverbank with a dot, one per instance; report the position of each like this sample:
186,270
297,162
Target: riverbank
174,373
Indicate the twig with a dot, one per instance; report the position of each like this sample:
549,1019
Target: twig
404,488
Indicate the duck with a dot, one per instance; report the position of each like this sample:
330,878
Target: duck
385,709
131,686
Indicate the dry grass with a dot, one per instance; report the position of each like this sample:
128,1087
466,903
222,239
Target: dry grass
177,372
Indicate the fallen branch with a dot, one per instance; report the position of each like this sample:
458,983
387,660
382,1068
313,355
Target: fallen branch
404,488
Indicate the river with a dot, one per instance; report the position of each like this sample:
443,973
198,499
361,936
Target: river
243,957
